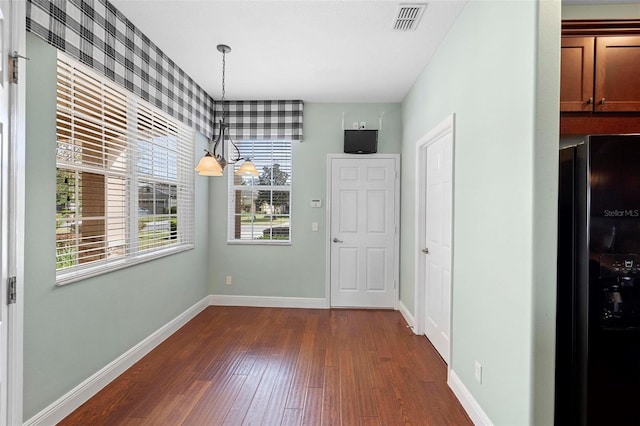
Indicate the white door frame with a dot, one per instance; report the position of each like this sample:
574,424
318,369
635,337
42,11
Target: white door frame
14,205
396,209
445,127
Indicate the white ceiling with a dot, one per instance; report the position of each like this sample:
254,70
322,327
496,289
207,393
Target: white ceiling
314,50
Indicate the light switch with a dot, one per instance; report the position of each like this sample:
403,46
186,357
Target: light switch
314,226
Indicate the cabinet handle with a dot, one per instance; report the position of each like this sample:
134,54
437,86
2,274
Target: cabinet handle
589,101
602,101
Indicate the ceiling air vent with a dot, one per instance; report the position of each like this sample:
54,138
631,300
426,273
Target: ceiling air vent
408,16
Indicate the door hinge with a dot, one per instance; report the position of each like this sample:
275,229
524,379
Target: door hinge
11,291
13,66
395,284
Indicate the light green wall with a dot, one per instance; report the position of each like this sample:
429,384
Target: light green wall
297,270
601,11
73,331
485,72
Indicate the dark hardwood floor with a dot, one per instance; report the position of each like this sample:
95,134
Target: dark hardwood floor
237,366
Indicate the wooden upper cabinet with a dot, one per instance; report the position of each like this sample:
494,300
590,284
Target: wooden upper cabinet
617,74
576,74
600,77
600,74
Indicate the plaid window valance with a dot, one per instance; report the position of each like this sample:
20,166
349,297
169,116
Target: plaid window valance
251,120
101,37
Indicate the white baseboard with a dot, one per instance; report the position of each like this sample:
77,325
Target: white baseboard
268,301
470,405
411,321
73,399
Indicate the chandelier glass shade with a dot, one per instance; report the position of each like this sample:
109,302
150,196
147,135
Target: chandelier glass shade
209,166
247,169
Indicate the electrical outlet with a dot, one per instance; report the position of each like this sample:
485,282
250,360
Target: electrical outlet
229,281
363,125
355,125
478,372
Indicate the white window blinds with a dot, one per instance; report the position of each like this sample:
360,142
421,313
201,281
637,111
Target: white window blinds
260,207
124,184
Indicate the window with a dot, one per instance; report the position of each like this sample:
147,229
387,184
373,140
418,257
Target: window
124,178
260,206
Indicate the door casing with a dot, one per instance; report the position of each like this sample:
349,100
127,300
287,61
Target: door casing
13,206
443,128
396,203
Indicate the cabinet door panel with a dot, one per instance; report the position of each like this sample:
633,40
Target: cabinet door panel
617,74
576,74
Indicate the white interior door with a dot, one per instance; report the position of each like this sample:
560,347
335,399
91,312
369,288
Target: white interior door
363,248
435,189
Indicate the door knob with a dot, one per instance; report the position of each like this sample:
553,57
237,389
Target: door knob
589,101
335,240
602,101
425,250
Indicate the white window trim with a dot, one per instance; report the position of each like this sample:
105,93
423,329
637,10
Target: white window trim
231,204
83,273
185,230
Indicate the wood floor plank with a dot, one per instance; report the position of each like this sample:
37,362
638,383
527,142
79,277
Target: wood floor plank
363,369
163,409
131,421
312,413
363,321
316,368
295,397
390,408
349,405
273,366
174,377
213,408
241,404
260,400
331,409
183,407
332,353
276,408
316,373
370,421
245,366
292,417
118,400
216,347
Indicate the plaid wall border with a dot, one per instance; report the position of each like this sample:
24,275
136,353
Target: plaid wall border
100,36
251,120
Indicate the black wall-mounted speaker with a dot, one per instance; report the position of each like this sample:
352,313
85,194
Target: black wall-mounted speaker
360,141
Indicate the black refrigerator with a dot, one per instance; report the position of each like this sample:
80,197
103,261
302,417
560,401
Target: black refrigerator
598,293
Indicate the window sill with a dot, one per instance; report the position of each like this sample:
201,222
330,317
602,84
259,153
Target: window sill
63,279
258,243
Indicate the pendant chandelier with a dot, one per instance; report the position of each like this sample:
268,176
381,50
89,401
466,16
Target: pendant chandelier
215,160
